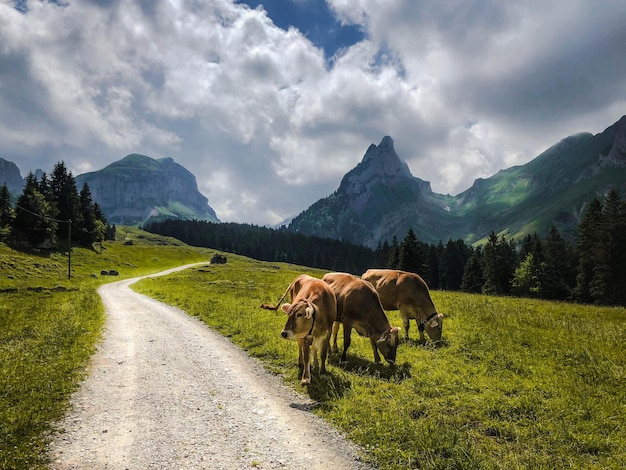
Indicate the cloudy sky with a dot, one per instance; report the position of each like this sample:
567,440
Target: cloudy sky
269,103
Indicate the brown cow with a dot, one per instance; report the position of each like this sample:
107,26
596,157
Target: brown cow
310,318
407,292
358,307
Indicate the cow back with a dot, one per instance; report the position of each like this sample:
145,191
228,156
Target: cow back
357,302
322,296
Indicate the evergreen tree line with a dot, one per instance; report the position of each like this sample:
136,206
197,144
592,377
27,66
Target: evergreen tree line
51,212
592,270
267,244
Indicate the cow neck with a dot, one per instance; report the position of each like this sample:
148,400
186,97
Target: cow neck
312,324
430,317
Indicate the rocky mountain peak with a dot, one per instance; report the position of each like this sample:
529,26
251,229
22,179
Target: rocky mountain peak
380,166
10,174
383,160
618,150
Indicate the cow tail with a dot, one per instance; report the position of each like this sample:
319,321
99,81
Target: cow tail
275,307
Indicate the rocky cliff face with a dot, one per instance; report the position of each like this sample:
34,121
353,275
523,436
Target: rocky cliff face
10,174
138,187
376,200
617,154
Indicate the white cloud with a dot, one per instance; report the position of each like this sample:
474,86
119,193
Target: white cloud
268,126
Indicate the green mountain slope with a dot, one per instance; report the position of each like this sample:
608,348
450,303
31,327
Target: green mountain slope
380,198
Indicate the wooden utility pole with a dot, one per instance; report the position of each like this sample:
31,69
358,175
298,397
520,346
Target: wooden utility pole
69,249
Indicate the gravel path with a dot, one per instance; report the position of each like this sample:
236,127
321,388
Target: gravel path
166,392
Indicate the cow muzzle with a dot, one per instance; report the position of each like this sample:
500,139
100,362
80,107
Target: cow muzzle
286,334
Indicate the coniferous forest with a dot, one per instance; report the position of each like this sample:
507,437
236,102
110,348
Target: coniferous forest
52,214
591,269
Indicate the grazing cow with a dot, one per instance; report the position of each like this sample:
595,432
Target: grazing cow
311,314
358,307
407,292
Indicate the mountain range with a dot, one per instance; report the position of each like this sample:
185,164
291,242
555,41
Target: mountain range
380,199
135,189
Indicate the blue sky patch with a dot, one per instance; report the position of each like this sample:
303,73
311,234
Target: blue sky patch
314,19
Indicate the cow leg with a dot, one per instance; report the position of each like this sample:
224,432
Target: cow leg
316,364
421,330
347,331
324,354
301,353
375,349
305,351
405,321
336,326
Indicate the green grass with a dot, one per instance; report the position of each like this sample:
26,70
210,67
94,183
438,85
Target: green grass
50,325
517,383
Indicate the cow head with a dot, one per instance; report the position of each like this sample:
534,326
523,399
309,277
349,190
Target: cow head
387,344
434,326
300,321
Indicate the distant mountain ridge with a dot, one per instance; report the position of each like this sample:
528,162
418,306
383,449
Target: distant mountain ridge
132,190
379,198
138,187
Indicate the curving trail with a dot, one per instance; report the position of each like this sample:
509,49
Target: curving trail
166,392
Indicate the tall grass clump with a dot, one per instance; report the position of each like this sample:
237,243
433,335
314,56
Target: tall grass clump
516,383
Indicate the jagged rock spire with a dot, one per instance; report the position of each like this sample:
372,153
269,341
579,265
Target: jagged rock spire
383,160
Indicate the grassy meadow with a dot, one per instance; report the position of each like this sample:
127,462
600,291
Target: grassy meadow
50,325
517,383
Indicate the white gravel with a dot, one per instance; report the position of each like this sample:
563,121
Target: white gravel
166,392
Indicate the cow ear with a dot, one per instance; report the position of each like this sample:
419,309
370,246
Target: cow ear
286,307
434,323
384,336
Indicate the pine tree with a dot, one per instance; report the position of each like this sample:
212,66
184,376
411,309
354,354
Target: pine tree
490,265
6,212
433,261
87,234
394,254
589,241
64,192
606,286
499,262
560,266
452,264
473,279
33,225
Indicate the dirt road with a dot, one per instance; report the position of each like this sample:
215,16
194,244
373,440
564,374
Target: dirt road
166,392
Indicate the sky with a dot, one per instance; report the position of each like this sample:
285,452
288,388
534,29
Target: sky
269,103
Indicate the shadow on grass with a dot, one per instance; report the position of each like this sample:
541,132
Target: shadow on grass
384,371
327,387
414,342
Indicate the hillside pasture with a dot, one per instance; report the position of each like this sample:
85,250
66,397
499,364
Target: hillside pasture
517,383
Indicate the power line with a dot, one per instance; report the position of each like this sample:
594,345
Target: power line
45,217
80,229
